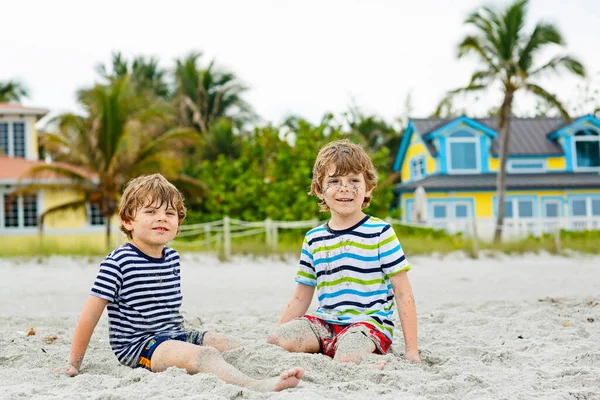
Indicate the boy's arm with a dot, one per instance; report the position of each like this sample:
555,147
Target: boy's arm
298,304
92,311
407,311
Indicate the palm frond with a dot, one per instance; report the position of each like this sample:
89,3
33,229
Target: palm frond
543,35
549,98
72,205
556,63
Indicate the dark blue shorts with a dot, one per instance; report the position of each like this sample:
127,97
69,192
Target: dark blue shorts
194,337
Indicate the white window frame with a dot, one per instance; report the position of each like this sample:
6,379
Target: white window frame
450,209
29,154
588,206
418,167
551,201
20,213
511,163
514,206
577,139
88,209
475,140
461,203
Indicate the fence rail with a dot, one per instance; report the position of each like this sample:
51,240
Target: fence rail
221,232
514,228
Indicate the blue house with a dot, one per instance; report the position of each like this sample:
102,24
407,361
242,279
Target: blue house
553,172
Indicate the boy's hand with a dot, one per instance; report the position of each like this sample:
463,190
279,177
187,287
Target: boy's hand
70,370
413,357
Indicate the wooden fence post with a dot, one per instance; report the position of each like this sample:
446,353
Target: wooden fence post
274,236
226,237
268,232
475,239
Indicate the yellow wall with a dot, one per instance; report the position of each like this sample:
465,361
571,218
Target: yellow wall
553,163
557,163
416,148
68,219
34,138
63,219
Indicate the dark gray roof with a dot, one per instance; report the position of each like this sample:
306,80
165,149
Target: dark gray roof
528,136
563,180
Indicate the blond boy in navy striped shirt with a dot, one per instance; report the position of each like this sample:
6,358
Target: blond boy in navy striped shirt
355,264
139,283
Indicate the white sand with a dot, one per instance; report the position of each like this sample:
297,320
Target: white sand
490,328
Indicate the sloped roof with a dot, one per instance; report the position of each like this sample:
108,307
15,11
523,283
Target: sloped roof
562,180
529,136
15,168
18,109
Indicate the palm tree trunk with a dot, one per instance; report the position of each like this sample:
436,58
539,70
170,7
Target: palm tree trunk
108,233
501,176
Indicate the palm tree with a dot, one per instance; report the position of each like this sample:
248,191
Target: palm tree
122,135
145,74
507,54
203,95
12,91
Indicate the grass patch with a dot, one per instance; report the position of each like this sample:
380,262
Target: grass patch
80,245
415,241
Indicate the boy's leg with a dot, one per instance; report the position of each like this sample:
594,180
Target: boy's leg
206,359
297,336
220,342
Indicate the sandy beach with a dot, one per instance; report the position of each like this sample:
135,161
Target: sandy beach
500,327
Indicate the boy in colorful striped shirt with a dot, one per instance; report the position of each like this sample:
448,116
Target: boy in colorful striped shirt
140,284
355,263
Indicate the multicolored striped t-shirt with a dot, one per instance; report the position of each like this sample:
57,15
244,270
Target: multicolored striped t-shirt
351,270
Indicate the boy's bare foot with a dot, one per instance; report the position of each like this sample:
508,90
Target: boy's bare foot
378,365
287,380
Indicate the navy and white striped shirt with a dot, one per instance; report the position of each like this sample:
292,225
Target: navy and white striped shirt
144,296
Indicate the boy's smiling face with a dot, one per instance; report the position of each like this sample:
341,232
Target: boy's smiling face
153,226
344,194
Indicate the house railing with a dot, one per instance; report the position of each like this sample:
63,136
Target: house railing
514,228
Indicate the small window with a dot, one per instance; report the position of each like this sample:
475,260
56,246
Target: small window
525,208
551,209
11,211
19,139
30,211
4,138
508,209
596,207
439,211
461,211
587,149
417,167
525,166
579,208
96,217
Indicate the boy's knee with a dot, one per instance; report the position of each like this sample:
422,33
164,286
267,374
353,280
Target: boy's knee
206,354
274,338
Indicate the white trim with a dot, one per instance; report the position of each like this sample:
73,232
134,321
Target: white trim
31,154
551,201
475,141
574,150
420,167
510,168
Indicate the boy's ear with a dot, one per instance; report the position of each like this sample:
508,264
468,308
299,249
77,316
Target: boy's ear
317,191
127,224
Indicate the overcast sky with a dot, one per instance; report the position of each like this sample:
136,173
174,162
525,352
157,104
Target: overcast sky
303,57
